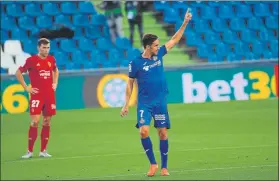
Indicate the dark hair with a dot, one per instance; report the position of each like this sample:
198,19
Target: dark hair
43,41
148,39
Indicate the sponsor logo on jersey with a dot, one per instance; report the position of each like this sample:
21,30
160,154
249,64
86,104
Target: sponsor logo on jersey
148,67
45,74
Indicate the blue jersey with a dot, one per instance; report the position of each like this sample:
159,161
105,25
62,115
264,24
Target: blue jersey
152,85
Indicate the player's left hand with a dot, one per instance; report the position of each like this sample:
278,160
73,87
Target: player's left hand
124,111
188,15
54,86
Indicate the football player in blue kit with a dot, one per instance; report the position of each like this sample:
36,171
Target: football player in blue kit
148,70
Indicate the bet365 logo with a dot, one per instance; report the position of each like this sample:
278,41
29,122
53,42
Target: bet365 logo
258,85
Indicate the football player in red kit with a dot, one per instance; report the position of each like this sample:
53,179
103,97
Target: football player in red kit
43,75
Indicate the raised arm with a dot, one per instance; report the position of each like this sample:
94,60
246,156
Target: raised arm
177,36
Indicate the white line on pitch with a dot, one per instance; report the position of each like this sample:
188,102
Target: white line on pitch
174,171
134,153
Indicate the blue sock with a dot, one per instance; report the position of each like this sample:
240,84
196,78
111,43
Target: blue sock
164,148
147,145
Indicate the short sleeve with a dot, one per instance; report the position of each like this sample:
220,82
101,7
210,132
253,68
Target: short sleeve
162,51
132,70
26,66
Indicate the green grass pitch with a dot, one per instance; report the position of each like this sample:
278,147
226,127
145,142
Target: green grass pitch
226,140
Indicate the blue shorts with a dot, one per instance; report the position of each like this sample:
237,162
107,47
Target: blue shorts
159,112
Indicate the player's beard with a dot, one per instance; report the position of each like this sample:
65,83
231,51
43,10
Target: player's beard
155,53
44,55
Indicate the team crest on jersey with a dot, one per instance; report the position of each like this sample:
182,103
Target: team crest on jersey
38,64
155,58
142,121
49,64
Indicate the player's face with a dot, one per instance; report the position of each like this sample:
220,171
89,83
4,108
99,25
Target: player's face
44,50
155,47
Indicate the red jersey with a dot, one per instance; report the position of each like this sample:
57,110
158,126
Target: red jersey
40,72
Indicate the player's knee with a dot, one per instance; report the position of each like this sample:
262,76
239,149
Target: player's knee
34,123
46,121
35,120
144,132
163,137
163,134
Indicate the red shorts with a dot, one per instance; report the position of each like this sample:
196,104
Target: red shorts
45,104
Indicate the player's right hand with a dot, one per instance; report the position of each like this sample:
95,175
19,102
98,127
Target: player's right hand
188,15
32,90
124,111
